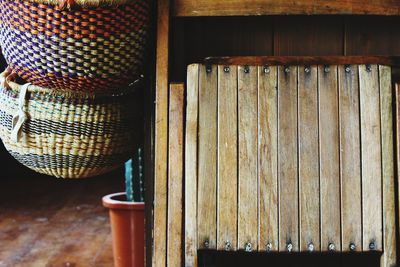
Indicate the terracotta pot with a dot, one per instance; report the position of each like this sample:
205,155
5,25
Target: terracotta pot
127,228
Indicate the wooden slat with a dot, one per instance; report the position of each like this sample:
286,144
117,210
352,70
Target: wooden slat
304,60
248,180
277,7
191,166
349,117
329,157
397,90
207,166
389,215
227,158
287,158
308,157
175,175
371,170
161,134
268,157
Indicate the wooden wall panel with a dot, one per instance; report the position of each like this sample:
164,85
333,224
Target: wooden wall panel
248,178
300,36
371,171
350,161
191,166
227,197
372,35
287,158
207,153
308,158
175,175
329,157
268,157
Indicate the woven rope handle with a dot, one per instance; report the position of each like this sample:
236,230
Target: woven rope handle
20,117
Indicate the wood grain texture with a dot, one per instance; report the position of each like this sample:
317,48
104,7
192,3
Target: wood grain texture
248,179
161,135
389,214
187,8
350,161
371,169
175,174
227,158
299,36
303,60
287,158
308,157
268,157
397,92
329,157
191,166
207,152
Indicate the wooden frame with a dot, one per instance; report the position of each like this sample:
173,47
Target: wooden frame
189,8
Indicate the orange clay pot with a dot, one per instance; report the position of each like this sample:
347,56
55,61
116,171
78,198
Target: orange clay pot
127,228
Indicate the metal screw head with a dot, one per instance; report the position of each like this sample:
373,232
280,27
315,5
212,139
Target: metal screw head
266,69
206,244
248,247
289,247
352,246
347,69
307,69
268,247
208,69
227,69
311,247
331,247
368,67
327,69
246,69
227,245
372,245
287,69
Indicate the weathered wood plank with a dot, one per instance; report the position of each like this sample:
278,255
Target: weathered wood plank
397,90
349,120
389,214
308,158
287,158
329,157
268,158
161,135
175,174
207,166
184,8
227,158
191,166
371,169
248,180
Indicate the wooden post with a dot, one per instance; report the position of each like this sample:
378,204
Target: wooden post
161,136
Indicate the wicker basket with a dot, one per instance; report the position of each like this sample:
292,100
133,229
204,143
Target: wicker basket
87,45
65,135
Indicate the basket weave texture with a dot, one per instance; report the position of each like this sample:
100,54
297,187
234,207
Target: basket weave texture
64,135
90,49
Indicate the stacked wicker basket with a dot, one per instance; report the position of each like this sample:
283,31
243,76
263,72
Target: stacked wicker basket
66,98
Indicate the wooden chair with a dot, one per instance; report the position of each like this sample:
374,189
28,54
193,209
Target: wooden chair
288,155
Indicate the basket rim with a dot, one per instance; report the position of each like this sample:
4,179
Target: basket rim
7,78
84,3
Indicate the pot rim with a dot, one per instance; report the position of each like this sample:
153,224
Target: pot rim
111,203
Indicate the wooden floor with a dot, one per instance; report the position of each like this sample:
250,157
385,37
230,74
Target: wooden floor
46,221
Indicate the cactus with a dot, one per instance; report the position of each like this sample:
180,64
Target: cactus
134,183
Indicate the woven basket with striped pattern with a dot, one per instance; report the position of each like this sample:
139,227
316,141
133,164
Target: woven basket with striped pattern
65,135
87,45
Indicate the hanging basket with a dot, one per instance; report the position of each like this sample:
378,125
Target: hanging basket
65,135
81,45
